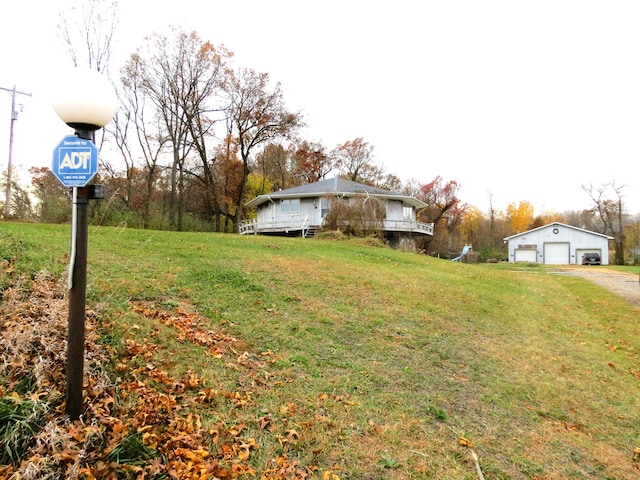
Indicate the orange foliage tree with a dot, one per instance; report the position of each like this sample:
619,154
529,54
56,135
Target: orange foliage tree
472,225
311,162
520,216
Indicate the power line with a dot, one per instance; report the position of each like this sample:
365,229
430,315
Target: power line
14,117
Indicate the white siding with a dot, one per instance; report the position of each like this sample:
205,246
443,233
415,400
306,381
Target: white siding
306,213
395,210
310,210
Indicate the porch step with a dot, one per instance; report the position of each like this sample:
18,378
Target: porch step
310,233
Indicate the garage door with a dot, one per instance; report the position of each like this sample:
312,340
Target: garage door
556,253
581,251
525,255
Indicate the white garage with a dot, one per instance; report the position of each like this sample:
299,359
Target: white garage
557,244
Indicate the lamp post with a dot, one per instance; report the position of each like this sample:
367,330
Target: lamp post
86,102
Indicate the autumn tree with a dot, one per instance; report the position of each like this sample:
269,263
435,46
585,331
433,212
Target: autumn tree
274,164
391,182
229,170
473,227
496,233
20,202
445,211
547,217
311,161
257,184
354,160
256,115
23,207
520,216
52,197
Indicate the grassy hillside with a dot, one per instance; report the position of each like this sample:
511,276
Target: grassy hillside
292,358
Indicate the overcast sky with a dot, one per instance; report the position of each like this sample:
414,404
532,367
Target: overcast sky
519,100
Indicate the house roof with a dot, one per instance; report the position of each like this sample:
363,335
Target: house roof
558,224
336,187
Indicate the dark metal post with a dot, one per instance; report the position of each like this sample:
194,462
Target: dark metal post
77,299
77,308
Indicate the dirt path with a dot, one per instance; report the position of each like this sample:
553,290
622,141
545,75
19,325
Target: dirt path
627,285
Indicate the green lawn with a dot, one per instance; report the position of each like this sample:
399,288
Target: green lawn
367,363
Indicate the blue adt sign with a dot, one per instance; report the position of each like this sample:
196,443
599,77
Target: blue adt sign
75,161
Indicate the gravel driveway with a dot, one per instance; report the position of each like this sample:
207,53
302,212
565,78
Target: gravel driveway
627,285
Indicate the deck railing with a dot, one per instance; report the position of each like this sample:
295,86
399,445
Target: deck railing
426,228
249,226
408,226
252,226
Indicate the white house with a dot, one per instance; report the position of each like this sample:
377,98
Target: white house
557,244
301,210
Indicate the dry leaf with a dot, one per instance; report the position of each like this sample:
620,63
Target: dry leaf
465,442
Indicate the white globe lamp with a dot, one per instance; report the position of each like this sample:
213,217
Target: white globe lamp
85,100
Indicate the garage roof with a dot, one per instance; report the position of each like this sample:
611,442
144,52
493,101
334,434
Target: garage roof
558,224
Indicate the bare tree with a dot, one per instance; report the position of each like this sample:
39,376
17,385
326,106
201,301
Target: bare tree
204,72
139,136
611,214
256,115
181,76
412,187
87,30
632,233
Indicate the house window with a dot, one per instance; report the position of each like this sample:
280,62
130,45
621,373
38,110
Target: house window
407,213
325,205
290,206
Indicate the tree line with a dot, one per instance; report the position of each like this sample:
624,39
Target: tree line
456,223
194,139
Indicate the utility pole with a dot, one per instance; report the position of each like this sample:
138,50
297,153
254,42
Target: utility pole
14,117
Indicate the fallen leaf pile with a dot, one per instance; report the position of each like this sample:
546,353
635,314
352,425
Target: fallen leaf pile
139,420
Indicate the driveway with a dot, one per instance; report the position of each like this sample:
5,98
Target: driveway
627,285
